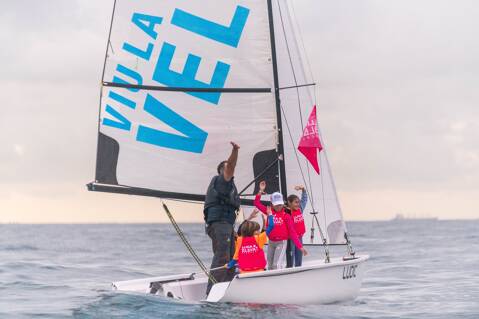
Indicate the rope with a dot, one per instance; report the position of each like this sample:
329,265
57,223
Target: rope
293,18
187,243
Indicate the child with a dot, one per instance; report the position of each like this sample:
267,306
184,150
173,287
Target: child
282,231
252,216
249,254
296,207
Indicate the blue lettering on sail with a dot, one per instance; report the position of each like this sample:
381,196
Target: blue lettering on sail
145,55
121,99
122,122
229,35
146,23
187,79
149,27
189,137
194,138
128,72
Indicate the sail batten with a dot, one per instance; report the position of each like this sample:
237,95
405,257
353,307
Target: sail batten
187,89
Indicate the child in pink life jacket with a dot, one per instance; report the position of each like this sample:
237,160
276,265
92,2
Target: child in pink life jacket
249,254
282,231
296,207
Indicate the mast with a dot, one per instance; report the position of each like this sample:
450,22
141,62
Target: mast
282,166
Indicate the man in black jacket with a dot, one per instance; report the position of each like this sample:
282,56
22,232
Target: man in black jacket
221,204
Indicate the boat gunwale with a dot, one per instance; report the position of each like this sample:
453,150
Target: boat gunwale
287,271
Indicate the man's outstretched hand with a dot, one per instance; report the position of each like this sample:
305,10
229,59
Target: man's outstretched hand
229,170
235,146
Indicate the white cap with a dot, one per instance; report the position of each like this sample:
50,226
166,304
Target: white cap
277,199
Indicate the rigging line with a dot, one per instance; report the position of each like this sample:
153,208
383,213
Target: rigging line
187,243
291,63
295,152
183,201
301,40
297,86
325,243
324,198
298,95
111,47
261,174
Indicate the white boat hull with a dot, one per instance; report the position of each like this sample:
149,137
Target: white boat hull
316,282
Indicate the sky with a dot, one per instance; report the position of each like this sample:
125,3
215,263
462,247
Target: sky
398,107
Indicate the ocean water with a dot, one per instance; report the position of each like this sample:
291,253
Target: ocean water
418,269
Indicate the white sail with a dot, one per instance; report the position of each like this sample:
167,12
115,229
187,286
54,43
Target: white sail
172,141
296,104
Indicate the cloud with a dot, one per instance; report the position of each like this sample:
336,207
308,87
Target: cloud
396,80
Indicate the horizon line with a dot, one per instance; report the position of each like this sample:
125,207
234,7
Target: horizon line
201,223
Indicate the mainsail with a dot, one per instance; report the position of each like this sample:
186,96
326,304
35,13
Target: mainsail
184,78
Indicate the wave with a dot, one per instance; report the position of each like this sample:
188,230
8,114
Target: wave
18,248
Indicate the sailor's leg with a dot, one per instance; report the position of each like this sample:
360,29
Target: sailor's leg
270,255
220,234
298,255
280,255
231,272
290,254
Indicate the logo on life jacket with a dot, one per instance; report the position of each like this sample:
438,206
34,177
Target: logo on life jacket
280,230
298,220
278,221
251,257
249,249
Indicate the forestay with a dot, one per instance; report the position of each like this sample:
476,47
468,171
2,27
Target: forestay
195,79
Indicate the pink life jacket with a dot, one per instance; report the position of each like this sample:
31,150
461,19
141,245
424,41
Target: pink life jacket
250,256
280,229
298,221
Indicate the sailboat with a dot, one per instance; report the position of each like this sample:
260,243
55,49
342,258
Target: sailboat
181,79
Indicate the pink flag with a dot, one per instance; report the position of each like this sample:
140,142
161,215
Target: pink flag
310,145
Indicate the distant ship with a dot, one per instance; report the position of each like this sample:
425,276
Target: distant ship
402,217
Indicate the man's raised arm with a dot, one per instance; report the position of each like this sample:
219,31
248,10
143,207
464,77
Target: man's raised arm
230,166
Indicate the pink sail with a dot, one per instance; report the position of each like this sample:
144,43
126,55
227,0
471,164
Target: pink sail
310,145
